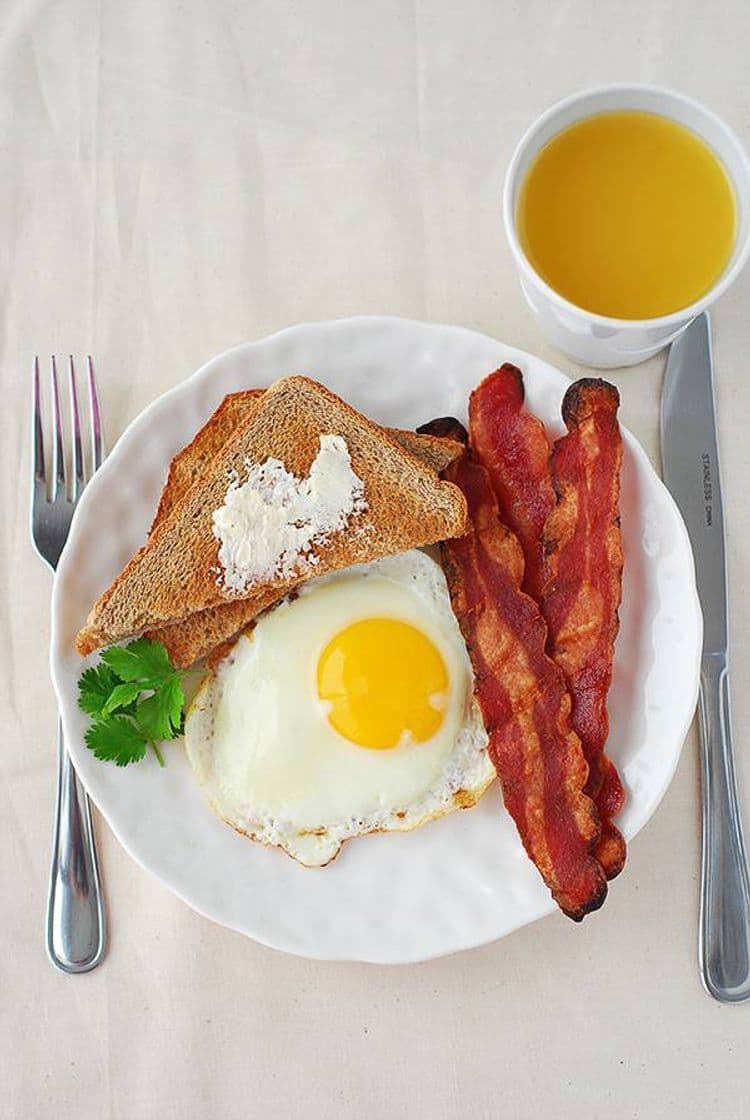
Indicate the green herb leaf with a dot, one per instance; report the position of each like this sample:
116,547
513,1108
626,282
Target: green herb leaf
160,716
142,660
151,719
116,739
174,703
117,685
94,689
121,696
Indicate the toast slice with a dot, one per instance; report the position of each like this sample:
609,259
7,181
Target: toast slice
207,633
238,409
175,573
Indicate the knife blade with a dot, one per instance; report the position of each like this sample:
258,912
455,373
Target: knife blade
690,460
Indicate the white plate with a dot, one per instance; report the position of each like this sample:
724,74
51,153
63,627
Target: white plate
457,882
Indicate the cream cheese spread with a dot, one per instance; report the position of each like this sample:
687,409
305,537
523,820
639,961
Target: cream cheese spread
269,524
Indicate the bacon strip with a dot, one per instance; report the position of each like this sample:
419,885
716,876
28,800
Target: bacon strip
583,581
546,501
513,446
522,695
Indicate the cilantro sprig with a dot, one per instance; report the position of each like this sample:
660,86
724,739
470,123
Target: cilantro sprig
135,698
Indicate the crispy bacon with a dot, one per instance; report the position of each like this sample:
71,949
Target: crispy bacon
582,588
558,506
513,446
522,695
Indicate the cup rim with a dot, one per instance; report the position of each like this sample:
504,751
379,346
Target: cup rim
674,318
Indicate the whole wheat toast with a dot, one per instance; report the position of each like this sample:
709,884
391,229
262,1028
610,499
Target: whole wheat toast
174,575
240,408
205,633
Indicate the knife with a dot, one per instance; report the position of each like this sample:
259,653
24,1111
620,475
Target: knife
690,459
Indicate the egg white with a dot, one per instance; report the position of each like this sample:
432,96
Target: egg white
273,767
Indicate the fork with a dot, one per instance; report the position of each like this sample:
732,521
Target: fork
76,933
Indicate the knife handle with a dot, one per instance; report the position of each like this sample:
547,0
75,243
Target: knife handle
725,890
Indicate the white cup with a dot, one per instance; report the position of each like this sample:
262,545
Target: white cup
598,340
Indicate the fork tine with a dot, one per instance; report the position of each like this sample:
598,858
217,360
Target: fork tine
58,447
97,441
39,474
75,425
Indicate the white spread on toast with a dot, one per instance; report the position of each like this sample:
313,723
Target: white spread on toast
269,524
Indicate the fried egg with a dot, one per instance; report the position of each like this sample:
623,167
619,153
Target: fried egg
348,709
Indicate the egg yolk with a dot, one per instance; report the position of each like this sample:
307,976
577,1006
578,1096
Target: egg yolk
383,680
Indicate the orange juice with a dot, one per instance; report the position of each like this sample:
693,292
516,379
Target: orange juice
627,214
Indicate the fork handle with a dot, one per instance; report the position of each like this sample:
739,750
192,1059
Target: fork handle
75,908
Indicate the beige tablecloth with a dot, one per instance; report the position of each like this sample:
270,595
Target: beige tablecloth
178,177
